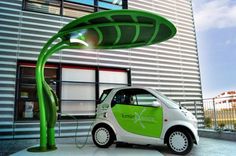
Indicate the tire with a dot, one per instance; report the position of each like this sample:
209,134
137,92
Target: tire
180,142
103,136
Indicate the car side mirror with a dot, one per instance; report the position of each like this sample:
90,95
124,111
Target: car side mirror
156,104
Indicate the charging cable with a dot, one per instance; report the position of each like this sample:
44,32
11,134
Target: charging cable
77,128
76,131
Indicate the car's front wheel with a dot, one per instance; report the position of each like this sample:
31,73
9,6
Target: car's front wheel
103,136
180,142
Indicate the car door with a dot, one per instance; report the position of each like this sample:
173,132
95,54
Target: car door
134,112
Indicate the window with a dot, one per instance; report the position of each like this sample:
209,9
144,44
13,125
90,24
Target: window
44,6
77,87
27,101
104,95
73,8
110,4
77,8
118,78
134,97
145,99
85,2
78,91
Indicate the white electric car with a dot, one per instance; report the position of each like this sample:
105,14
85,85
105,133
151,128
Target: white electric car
143,116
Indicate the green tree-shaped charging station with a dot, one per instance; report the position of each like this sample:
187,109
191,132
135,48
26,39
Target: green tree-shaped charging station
114,29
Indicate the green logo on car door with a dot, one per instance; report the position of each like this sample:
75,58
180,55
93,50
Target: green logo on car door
146,121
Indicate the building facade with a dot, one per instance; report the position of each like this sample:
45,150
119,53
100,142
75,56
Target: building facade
79,76
225,100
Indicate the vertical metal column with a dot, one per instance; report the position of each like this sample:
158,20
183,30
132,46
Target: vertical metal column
195,105
214,109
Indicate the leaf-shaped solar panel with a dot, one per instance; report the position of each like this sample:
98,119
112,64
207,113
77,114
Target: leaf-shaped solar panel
116,29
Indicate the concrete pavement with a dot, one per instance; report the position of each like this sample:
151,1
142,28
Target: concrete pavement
66,146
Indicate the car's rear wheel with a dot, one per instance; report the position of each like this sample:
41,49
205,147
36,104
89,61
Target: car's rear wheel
103,136
180,142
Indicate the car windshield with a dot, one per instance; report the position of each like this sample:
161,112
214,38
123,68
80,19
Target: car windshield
167,100
104,95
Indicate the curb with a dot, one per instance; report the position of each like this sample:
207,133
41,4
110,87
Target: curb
223,135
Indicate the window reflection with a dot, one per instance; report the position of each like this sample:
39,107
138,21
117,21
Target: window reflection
73,8
27,108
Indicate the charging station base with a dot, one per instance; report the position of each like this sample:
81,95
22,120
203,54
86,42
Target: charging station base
40,149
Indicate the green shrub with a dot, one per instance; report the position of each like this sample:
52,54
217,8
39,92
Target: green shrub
208,122
221,125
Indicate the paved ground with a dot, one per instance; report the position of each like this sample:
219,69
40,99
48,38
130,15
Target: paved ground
66,146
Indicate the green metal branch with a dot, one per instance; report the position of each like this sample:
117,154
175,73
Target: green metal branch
46,98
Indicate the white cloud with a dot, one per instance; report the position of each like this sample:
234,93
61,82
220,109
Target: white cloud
227,42
214,14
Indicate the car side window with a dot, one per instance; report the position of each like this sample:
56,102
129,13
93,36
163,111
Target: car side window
133,97
145,99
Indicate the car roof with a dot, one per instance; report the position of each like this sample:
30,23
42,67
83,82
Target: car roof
126,87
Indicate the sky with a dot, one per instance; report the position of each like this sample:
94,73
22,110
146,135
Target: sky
215,23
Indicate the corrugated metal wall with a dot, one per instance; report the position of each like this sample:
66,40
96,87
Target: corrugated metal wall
9,30
171,67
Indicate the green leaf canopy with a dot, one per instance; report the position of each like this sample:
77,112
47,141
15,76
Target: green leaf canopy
116,29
